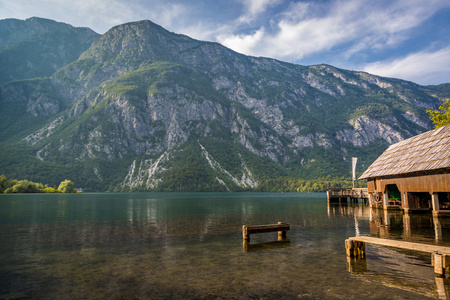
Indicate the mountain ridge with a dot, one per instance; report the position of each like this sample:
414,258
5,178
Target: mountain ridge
143,108
38,47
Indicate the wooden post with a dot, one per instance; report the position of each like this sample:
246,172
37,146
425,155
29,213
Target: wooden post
245,245
440,262
437,260
281,234
349,247
385,200
245,234
355,248
361,248
435,203
406,226
405,202
371,200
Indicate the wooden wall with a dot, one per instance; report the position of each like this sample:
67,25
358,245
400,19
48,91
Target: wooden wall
428,183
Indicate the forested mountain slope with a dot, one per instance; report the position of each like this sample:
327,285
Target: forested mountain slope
146,109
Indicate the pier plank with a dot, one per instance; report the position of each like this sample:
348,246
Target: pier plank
403,245
440,255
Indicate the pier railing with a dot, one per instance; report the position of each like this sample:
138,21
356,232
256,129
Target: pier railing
342,194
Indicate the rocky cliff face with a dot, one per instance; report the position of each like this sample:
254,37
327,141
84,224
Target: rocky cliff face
154,107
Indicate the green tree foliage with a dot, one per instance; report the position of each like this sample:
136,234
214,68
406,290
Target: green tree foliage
441,117
49,190
25,186
288,184
66,186
9,186
6,183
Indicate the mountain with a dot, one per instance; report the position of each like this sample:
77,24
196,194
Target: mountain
39,47
147,109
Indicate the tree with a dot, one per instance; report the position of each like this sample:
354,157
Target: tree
6,183
25,186
441,117
67,186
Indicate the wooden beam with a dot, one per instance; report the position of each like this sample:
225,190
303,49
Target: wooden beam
440,255
403,245
280,227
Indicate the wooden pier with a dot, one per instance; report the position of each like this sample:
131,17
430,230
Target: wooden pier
440,256
281,228
342,195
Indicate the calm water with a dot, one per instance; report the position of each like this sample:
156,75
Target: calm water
189,245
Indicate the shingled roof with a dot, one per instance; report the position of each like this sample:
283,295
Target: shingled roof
425,152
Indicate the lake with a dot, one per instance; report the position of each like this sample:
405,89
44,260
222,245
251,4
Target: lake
190,246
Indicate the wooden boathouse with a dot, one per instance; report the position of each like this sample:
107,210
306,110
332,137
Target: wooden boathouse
413,175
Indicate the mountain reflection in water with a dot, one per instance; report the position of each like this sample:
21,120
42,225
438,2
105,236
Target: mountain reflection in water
189,245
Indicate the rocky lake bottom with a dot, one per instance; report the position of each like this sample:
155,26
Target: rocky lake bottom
190,246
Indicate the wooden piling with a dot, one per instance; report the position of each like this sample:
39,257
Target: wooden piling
355,248
440,262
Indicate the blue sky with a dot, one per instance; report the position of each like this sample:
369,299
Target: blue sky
407,39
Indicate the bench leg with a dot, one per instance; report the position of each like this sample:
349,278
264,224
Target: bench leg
245,234
281,234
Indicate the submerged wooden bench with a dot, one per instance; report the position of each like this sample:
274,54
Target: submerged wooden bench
440,255
281,228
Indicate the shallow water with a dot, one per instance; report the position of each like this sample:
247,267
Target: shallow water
189,245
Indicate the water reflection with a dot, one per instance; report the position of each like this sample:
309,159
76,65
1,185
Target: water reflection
395,224
391,264
190,246
361,211
251,247
442,286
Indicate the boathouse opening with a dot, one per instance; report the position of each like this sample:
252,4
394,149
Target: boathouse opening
395,197
444,201
419,201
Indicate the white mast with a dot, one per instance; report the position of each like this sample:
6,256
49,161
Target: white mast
354,160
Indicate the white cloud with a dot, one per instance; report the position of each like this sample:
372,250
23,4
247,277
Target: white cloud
310,28
330,31
425,67
100,15
255,8
166,14
300,31
244,43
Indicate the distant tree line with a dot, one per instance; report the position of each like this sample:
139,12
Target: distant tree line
9,186
288,184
